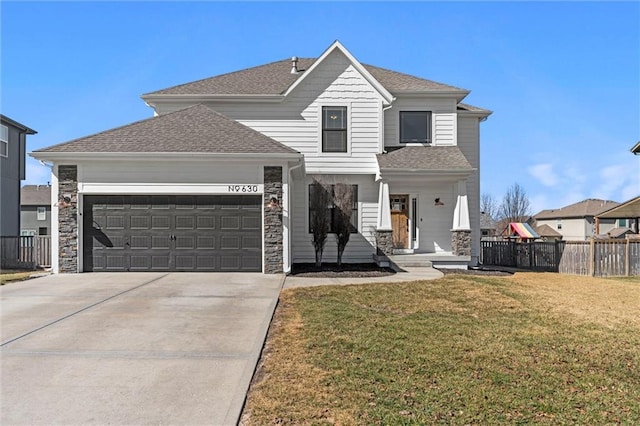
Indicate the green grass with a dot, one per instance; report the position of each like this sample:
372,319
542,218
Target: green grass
12,275
459,350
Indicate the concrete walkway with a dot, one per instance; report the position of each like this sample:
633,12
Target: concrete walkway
132,348
408,274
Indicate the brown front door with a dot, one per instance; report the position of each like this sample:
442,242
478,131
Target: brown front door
400,221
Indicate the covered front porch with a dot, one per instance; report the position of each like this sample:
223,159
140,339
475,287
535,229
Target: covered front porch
423,212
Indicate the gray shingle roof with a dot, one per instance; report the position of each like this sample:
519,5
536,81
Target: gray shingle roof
547,231
194,129
424,158
471,108
35,195
585,208
486,221
275,78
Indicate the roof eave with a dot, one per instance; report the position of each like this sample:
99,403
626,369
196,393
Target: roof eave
120,156
151,99
459,95
22,127
408,171
480,114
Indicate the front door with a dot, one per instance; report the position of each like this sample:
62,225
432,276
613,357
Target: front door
400,221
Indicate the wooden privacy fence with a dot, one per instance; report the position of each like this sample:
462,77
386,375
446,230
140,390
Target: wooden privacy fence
596,257
25,252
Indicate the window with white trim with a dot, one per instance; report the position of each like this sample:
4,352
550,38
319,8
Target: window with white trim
4,140
415,126
42,213
334,129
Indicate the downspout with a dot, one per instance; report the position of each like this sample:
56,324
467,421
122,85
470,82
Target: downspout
287,267
384,109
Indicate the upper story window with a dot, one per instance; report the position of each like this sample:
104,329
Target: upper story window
415,126
4,140
42,213
334,129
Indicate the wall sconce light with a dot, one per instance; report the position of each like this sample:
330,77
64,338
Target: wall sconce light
63,201
274,203
437,202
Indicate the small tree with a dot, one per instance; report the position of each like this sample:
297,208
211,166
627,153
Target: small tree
515,205
319,221
343,210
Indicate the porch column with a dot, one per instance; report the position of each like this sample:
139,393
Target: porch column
384,232
461,230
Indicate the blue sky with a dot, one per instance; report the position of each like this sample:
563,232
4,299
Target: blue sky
563,79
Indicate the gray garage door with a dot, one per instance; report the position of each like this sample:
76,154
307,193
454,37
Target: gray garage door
172,233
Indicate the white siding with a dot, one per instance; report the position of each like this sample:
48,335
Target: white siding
295,121
196,172
443,119
361,246
469,144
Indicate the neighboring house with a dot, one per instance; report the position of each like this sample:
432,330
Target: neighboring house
219,179
13,142
35,210
626,215
576,222
487,225
547,233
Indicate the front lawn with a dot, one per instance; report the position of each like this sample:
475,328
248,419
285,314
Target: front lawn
14,275
463,349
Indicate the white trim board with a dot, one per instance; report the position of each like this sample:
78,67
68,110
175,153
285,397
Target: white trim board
170,188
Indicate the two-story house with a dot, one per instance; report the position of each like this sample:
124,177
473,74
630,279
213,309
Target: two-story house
219,178
35,210
576,222
13,142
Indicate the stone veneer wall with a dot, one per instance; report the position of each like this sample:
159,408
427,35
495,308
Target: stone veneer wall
384,243
461,243
68,219
273,242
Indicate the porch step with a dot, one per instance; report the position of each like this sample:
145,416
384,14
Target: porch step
411,260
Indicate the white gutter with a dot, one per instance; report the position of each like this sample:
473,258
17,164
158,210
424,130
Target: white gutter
288,262
137,156
212,98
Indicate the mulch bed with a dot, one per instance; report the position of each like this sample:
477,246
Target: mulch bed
347,270
489,272
367,270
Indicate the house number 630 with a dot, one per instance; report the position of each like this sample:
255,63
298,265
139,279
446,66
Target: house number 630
243,188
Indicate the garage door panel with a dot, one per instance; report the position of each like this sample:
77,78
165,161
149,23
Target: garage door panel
251,223
251,242
140,242
230,242
185,222
230,223
140,222
205,222
160,222
173,233
206,242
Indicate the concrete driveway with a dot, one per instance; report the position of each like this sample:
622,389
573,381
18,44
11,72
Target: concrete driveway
125,348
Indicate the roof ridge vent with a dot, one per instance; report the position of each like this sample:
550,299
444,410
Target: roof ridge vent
294,65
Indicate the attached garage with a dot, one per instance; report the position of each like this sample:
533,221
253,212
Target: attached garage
172,233
189,190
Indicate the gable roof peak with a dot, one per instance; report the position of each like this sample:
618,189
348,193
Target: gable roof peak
336,45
